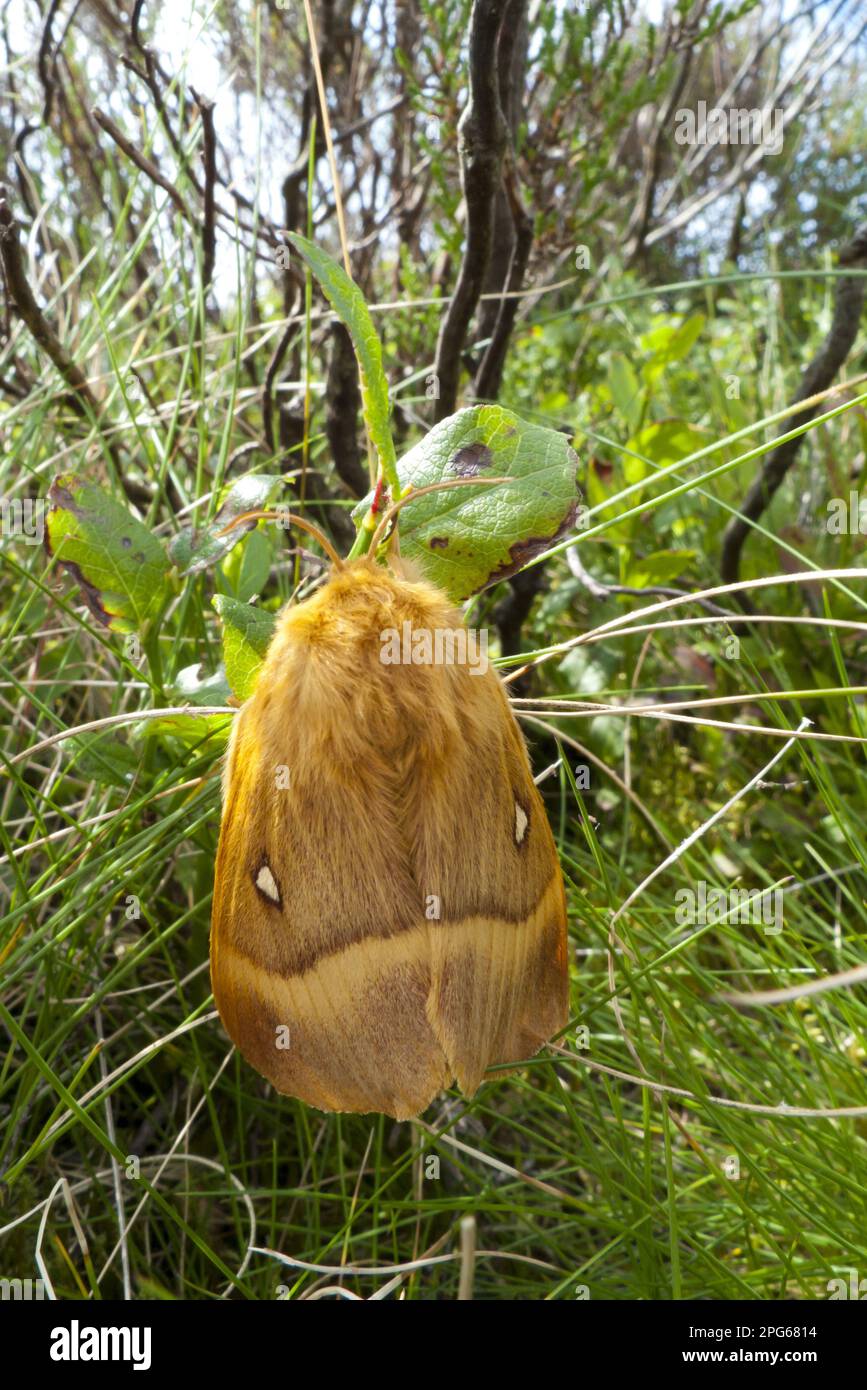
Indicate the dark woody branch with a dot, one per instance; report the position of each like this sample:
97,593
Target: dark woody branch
209,159
489,375
482,138
21,296
818,376
141,161
342,407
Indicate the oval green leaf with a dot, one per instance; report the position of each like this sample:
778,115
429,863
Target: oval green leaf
120,567
247,634
467,538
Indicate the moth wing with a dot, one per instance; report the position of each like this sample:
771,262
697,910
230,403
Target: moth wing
499,965
319,944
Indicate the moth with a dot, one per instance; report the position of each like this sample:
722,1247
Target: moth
389,914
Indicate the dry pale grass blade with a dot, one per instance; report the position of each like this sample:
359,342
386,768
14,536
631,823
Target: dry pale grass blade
844,979
781,1111
702,829
613,625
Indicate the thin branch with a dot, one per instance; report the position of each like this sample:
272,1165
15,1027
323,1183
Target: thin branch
818,377
142,162
209,159
482,137
19,292
18,288
342,406
489,376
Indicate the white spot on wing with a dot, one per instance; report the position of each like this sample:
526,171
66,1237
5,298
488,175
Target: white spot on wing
267,884
521,823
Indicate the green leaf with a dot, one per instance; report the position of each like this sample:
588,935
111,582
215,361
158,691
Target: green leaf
670,343
660,567
120,567
247,634
246,570
662,443
625,389
347,301
193,687
467,538
601,487
105,756
192,551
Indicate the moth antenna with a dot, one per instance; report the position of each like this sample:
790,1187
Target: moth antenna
413,493
294,520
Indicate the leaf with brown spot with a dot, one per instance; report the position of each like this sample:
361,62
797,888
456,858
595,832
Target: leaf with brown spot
467,538
119,566
472,460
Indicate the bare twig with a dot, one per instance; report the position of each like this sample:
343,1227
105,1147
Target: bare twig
817,377
642,215
209,159
489,375
24,300
19,292
599,590
142,161
342,404
482,144
270,380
